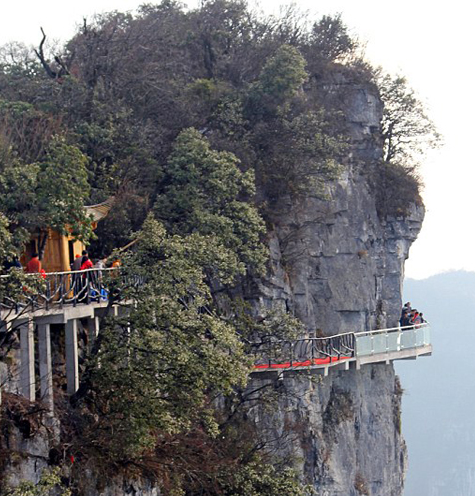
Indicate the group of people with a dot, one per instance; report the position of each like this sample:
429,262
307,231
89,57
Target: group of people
33,266
81,262
410,316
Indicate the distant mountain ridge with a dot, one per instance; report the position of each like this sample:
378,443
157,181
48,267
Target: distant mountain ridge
439,400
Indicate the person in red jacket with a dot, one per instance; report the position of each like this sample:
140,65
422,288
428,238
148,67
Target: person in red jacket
86,263
34,265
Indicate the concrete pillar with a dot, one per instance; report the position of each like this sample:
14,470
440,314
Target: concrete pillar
93,330
27,357
72,364
46,368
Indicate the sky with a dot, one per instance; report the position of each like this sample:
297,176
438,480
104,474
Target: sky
428,42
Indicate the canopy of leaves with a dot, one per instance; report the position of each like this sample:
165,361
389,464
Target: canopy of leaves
407,134
46,194
205,192
407,131
283,74
158,372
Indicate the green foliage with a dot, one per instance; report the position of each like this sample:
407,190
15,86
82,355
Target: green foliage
407,131
206,193
303,160
62,190
18,199
259,479
6,248
50,484
48,194
283,74
330,39
179,354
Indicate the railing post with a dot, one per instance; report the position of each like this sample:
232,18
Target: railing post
88,288
76,288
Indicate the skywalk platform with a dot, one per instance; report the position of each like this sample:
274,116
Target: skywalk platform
345,351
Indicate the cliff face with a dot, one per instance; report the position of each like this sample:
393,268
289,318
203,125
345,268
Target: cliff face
340,268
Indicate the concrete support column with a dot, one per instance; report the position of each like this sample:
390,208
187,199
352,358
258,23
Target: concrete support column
27,357
72,364
46,368
93,330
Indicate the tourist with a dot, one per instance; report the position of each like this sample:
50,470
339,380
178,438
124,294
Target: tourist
34,265
14,263
86,263
76,265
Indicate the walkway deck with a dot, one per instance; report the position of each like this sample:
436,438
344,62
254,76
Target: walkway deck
345,351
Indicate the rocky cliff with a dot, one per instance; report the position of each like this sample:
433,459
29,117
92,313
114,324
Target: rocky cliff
340,268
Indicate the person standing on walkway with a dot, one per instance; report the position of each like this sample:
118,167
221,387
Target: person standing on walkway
76,280
34,265
76,265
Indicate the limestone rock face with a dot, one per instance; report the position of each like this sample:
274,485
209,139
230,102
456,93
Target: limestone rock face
340,269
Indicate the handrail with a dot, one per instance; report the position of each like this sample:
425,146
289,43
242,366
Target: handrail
67,288
66,272
392,329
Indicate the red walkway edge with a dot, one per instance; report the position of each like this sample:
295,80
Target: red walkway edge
307,363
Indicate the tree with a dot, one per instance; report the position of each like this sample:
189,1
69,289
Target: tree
205,192
283,74
330,39
48,194
158,370
164,379
407,131
407,134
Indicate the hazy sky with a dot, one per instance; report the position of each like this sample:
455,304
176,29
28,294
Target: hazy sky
429,42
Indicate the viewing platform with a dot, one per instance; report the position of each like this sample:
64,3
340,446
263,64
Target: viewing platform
344,351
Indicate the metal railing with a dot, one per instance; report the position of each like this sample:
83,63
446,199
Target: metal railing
65,288
393,339
305,352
